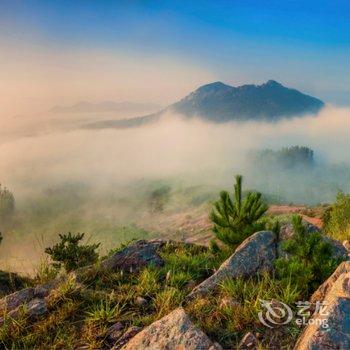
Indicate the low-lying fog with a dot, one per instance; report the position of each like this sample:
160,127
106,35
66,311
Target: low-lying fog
171,148
70,179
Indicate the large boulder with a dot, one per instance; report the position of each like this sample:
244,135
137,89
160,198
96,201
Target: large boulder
135,256
334,294
256,254
174,331
287,232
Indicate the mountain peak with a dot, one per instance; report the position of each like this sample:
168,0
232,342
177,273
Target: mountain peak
270,101
215,86
218,102
272,82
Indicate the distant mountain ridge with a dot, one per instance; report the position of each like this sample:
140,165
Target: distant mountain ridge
218,102
105,106
270,101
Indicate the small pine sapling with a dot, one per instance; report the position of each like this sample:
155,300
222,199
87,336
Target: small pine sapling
309,260
236,220
68,253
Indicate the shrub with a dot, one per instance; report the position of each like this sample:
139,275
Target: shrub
337,217
70,255
309,261
235,221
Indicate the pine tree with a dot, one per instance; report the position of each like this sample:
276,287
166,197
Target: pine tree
68,253
310,260
236,220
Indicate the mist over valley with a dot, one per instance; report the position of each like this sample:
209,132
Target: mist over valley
100,181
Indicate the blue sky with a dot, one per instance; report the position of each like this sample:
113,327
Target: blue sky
304,44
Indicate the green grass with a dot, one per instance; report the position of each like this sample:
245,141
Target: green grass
337,218
228,322
81,313
105,312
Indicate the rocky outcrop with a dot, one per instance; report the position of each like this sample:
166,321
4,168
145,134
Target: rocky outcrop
174,331
140,254
33,307
287,232
32,299
135,256
329,327
320,294
256,254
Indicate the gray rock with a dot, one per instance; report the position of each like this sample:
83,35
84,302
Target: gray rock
129,334
287,232
174,331
256,254
37,307
115,331
142,253
135,256
339,251
335,296
14,300
249,341
34,307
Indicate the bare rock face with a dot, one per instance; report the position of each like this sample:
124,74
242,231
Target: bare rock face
330,328
256,254
174,331
135,256
287,232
